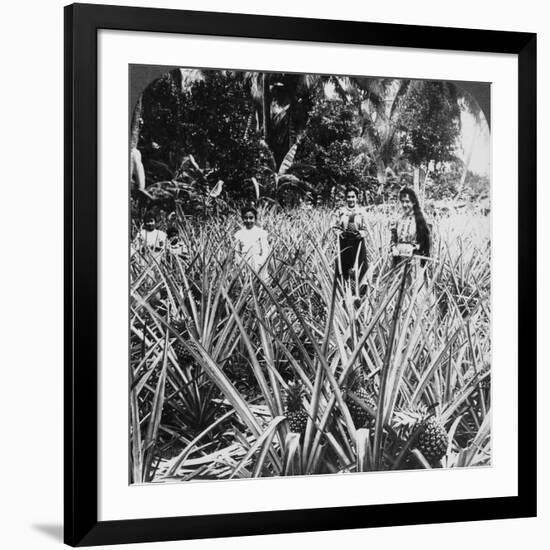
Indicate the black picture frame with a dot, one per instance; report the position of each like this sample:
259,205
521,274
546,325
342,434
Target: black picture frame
81,25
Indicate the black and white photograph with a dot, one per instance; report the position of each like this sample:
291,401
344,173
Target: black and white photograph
273,275
309,273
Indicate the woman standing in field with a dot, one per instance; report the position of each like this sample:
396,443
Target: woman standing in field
251,242
351,221
410,233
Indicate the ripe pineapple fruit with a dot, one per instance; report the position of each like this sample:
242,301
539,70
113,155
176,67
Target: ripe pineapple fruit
295,412
432,439
361,418
179,349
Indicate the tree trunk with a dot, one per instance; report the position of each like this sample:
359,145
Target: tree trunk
467,163
416,180
291,126
248,125
136,119
266,107
137,172
381,175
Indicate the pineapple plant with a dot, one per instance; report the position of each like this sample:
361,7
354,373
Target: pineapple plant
296,413
431,438
358,385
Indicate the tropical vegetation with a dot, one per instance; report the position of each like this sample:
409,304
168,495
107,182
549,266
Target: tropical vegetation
233,375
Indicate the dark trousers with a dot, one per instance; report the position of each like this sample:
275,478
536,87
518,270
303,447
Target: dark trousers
353,255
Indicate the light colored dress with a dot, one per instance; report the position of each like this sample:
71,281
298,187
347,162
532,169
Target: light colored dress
404,232
253,246
406,229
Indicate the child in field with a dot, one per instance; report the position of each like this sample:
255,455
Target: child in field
251,242
150,238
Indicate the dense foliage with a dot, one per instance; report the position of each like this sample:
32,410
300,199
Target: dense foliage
234,377
237,375
327,146
430,123
282,137
210,121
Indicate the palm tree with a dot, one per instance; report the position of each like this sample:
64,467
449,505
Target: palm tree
282,103
379,105
382,104
293,95
259,89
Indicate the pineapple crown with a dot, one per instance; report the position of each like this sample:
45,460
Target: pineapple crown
294,395
411,417
356,379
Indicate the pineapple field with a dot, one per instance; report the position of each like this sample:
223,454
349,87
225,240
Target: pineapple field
233,375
